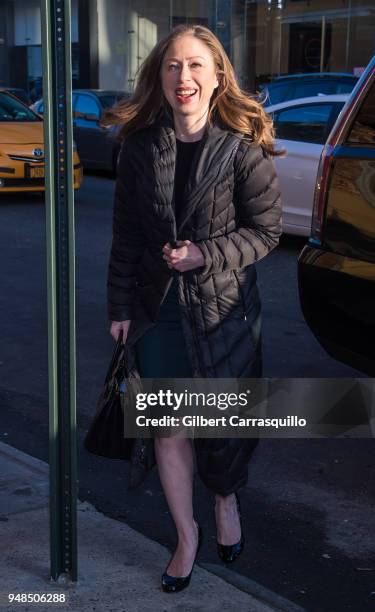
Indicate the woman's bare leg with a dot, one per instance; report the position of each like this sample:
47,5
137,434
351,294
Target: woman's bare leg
227,520
174,458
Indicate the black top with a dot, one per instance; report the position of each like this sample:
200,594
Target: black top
185,154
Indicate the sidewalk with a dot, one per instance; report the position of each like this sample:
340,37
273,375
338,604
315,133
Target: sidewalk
118,568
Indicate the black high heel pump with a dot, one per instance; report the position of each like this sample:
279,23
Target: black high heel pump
229,553
173,584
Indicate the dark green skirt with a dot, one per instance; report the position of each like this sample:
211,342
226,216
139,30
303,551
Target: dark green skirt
161,351
222,463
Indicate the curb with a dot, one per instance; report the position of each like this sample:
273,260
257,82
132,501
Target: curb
242,583
20,457
258,591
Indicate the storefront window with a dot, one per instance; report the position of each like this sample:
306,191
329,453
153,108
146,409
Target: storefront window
300,36
21,47
266,38
263,38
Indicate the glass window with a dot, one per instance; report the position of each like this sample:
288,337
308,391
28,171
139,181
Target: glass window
86,105
74,103
303,90
263,38
363,129
107,101
291,37
323,86
307,123
306,87
345,87
13,110
279,93
40,105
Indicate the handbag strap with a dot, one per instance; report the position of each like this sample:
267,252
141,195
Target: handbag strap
119,348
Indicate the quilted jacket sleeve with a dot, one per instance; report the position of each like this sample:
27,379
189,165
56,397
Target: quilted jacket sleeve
127,241
258,211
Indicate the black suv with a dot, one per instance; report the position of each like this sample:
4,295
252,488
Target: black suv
336,270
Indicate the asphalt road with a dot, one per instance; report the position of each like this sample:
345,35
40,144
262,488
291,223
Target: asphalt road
308,507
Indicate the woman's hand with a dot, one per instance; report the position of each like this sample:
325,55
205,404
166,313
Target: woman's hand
117,327
186,257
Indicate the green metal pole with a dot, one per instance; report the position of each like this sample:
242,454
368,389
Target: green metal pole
58,140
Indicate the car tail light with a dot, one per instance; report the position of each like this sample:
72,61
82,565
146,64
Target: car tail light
336,136
320,194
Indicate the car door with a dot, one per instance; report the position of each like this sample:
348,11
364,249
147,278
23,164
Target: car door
302,130
87,132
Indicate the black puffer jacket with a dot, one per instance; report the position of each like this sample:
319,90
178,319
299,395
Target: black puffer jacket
231,211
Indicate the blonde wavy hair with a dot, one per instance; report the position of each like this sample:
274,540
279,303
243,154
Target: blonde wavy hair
230,106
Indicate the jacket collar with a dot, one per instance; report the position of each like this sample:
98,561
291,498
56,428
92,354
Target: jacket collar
210,159
165,137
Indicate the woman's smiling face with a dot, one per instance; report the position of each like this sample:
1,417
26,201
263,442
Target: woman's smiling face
188,76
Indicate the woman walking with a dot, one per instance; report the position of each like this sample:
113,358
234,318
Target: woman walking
197,203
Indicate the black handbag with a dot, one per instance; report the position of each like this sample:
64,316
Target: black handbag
105,436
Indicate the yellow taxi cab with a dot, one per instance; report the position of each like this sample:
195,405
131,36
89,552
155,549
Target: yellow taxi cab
22,148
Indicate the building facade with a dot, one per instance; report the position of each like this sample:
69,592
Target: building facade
263,38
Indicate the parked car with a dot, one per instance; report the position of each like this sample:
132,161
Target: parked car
292,86
36,88
20,93
336,269
302,127
98,148
22,148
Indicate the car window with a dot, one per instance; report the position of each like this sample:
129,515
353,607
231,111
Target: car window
86,105
74,103
308,87
306,123
278,93
345,87
21,94
13,110
40,105
107,101
304,90
363,128
336,110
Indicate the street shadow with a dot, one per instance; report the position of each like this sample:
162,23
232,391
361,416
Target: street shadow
21,198
290,241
